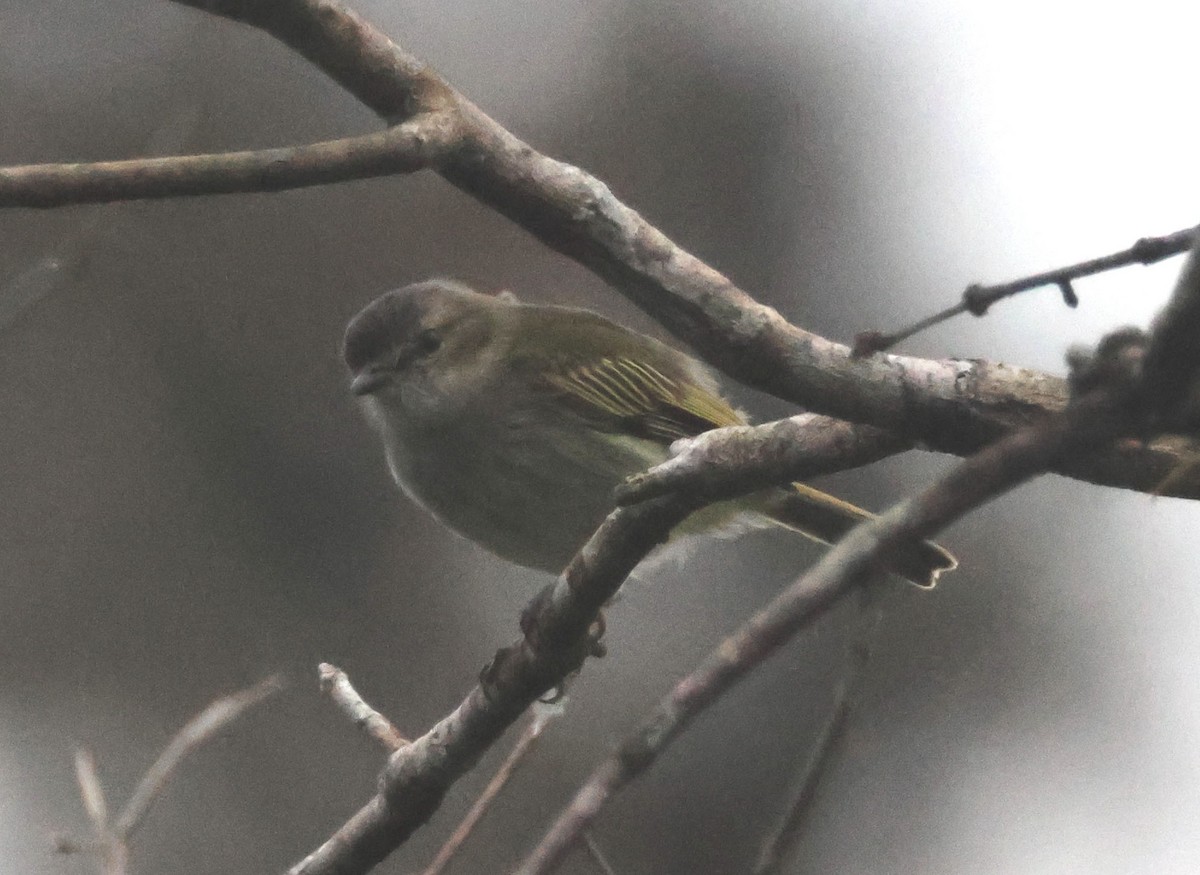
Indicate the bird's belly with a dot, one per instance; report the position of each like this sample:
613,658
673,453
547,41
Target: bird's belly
530,495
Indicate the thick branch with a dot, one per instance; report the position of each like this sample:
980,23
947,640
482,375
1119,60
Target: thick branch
748,457
406,148
954,405
389,81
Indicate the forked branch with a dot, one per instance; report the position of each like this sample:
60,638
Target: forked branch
112,837
950,405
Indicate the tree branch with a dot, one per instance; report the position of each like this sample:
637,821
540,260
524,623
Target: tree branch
956,406
977,299
950,405
111,848
556,641
219,714
335,683
406,148
112,839
833,731
539,717
557,622
756,456
390,82
1122,402
598,855
91,791
785,832
1009,462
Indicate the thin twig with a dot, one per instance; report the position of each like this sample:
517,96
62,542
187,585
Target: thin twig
538,718
194,733
111,841
406,148
784,835
336,684
787,831
108,847
977,299
593,849
91,791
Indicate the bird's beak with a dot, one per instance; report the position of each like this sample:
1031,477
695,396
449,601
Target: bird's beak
370,381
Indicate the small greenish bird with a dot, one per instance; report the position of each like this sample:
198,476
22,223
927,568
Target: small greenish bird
513,423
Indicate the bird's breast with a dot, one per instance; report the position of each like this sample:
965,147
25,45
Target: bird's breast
527,487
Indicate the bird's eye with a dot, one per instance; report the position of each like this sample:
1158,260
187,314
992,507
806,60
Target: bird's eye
428,341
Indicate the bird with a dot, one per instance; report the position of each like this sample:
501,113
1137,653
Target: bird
513,423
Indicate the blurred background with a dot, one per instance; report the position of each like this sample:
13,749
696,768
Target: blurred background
189,500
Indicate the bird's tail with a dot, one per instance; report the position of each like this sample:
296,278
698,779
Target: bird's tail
825,518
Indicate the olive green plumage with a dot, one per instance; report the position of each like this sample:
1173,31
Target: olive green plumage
617,380
513,423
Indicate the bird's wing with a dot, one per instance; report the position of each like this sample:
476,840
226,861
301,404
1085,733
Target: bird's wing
620,394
